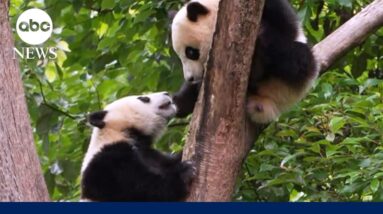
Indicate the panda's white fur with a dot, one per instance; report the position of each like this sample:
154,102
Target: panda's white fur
130,112
272,96
186,33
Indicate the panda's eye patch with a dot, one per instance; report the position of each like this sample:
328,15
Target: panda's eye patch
144,99
192,53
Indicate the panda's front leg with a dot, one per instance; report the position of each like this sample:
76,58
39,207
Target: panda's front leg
187,171
186,98
174,182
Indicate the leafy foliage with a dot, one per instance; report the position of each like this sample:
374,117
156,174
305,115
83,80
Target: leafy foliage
328,148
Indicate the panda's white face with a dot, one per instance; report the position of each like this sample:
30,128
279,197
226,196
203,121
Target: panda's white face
192,33
148,114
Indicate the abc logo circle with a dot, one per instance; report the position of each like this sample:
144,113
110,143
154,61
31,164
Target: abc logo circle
34,26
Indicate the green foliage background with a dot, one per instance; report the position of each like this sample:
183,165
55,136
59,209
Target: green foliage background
327,148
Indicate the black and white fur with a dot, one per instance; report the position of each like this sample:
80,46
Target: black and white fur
283,66
121,165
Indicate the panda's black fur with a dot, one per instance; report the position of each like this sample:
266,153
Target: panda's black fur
277,53
133,171
277,56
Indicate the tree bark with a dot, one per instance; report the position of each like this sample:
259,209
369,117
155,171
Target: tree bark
219,139
20,173
217,136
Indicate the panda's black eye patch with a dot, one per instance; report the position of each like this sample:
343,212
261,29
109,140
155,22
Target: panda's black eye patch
194,10
144,99
192,53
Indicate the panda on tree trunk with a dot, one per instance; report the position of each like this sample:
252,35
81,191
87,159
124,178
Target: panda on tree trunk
283,67
121,165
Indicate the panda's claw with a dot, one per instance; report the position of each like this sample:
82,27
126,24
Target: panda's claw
189,171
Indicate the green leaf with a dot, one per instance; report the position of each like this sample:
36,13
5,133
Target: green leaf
332,150
102,29
336,124
352,188
50,72
365,163
290,157
374,186
346,3
108,4
327,90
63,45
295,195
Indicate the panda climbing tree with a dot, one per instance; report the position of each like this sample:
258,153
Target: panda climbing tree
222,132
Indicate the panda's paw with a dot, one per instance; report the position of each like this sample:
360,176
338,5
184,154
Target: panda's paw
188,171
261,109
177,157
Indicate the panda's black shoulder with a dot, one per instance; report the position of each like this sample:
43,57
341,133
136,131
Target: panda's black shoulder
130,171
113,155
118,147
101,179
110,157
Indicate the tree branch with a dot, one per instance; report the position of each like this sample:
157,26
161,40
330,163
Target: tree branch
349,35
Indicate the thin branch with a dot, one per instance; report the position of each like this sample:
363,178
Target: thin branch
349,35
60,111
47,104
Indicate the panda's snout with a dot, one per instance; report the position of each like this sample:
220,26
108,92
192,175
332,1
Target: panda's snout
190,79
166,104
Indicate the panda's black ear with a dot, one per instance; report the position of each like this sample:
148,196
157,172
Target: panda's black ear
97,119
195,9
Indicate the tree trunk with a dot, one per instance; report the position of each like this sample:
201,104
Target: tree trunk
218,129
20,173
219,139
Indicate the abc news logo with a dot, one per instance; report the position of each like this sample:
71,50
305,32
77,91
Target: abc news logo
34,27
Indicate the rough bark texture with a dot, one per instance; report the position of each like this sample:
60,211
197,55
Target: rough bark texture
219,140
217,133
349,35
20,174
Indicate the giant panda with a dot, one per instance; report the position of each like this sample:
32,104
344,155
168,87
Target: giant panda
121,165
283,67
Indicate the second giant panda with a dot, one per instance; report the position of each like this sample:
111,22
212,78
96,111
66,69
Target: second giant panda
121,165
283,66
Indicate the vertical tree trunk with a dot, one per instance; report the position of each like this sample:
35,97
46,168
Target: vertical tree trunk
20,173
218,132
